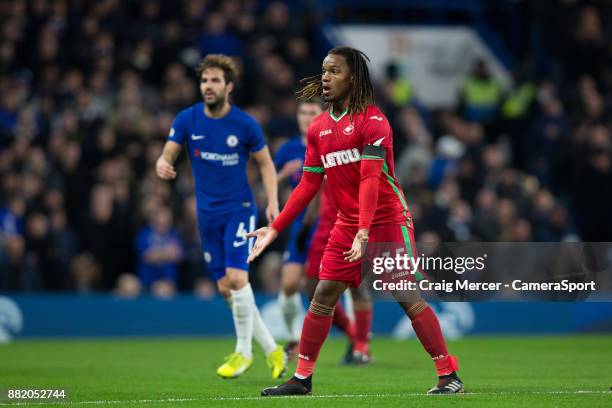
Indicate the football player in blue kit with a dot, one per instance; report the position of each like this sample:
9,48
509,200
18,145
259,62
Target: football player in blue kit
219,139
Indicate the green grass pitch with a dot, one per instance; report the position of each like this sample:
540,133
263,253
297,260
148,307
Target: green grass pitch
505,371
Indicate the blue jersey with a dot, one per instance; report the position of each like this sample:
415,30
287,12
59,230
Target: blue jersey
293,149
148,239
219,150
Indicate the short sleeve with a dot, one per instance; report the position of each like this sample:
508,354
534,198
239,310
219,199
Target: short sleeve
312,159
179,132
377,137
256,140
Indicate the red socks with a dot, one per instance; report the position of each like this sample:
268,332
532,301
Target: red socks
342,322
427,329
314,332
363,324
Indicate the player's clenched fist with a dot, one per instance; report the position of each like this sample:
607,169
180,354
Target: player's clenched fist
264,236
164,169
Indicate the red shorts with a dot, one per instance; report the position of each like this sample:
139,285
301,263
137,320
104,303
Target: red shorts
335,268
317,246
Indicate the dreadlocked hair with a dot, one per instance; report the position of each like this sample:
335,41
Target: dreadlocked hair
362,91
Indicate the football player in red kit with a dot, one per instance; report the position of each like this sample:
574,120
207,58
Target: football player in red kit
358,331
351,143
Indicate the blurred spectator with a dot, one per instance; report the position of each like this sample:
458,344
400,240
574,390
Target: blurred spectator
397,90
128,286
586,53
446,161
18,271
205,289
101,229
85,273
481,95
217,39
159,253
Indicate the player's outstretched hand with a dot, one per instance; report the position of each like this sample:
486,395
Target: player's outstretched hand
264,236
272,212
358,249
164,169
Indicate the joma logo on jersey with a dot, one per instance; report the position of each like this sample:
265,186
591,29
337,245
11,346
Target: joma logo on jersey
334,159
324,132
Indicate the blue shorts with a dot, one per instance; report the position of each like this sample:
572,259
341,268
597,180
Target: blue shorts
224,241
292,253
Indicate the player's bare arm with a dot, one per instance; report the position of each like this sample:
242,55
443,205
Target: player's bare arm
164,167
268,175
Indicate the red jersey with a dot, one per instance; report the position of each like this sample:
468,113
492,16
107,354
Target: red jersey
334,147
327,207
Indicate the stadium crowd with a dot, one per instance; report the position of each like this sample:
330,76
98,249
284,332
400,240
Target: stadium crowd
88,90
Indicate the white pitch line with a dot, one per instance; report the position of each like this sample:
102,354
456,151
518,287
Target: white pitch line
414,394
329,396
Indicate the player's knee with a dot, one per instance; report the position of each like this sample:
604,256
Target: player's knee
327,294
236,279
238,283
290,285
224,290
290,289
291,279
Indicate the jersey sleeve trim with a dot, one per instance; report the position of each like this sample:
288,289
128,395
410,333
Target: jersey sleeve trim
371,151
254,150
314,169
397,192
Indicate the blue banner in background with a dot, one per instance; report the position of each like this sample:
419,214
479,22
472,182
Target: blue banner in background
27,316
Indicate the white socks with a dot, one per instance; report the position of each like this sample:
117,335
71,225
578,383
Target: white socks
261,334
292,308
243,303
